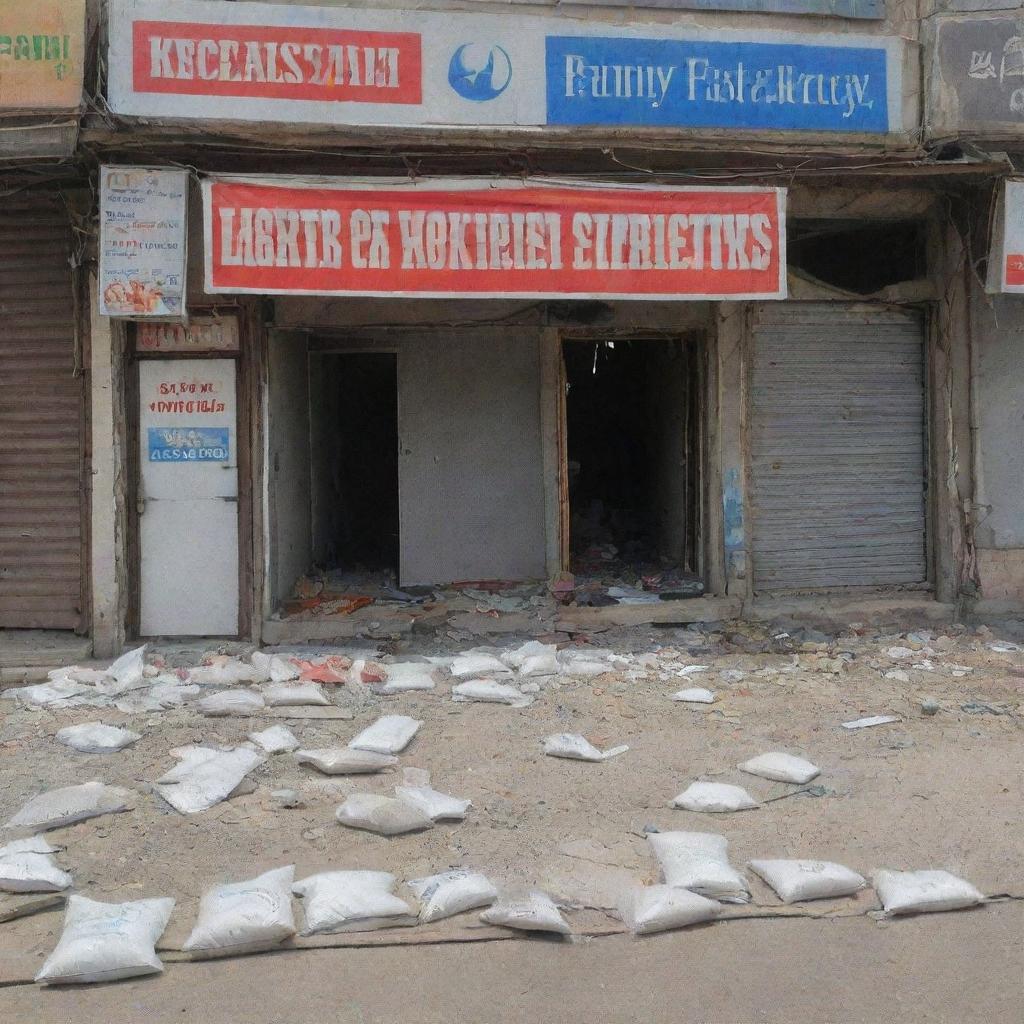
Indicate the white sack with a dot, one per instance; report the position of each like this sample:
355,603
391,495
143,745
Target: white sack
96,738
691,670
545,664
451,892
107,941
125,674
231,702
578,748
922,892
293,695
699,861
351,901
478,665
243,917
224,671
714,797
517,657
207,777
385,815
65,692
274,667
435,805
490,692
33,844
582,664
388,735
695,695
344,761
59,807
780,768
275,740
407,676
532,912
31,872
796,880
659,908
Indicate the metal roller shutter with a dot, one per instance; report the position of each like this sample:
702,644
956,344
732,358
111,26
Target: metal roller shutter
41,409
837,447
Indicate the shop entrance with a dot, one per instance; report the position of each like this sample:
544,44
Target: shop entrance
630,505
353,404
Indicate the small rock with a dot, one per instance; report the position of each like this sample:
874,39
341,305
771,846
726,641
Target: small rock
929,707
649,828
286,798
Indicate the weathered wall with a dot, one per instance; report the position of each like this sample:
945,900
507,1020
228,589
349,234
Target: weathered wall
288,463
470,467
997,327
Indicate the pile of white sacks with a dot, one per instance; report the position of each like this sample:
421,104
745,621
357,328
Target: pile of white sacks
108,941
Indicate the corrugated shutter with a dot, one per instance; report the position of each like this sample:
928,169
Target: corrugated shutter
837,447
40,422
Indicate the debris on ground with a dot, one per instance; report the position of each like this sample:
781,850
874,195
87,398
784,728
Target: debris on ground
578,748
873,720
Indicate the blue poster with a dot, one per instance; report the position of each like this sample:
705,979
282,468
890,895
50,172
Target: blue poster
189,444
673,83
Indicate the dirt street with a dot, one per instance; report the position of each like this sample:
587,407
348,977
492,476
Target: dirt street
928,791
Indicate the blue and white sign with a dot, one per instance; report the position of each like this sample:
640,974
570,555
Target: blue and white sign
189,444
673,83
445,70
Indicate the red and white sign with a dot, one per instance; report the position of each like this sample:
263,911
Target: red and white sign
472,237
1006,262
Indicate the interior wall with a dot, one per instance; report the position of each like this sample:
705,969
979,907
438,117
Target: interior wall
471,484
470,465
997,332
288,457
667,409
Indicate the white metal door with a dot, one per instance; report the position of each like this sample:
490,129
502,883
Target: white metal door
188,501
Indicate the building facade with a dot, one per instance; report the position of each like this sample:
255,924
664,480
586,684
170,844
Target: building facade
493,291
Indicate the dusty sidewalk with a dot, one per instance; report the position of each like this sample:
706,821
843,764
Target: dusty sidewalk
928,791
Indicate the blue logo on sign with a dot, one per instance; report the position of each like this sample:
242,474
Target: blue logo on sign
479,72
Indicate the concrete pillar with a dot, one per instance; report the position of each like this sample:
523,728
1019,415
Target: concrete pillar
732,325
108,546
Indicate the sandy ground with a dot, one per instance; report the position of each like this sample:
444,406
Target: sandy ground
940,791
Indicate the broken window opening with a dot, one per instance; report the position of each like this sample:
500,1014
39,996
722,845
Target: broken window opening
858,256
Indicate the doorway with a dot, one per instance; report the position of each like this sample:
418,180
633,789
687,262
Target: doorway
630,429
353,401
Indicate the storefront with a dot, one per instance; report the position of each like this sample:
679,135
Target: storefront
606,372
44,528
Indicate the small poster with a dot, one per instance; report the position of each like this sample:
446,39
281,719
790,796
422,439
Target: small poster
142,242
189,444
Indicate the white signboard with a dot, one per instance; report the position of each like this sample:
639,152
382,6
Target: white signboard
1006,260
342,66
142,242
